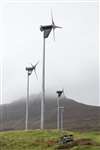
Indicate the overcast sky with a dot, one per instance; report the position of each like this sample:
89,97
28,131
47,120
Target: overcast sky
71,60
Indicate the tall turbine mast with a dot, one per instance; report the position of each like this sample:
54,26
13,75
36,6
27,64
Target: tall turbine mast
29,72
46,31
59,93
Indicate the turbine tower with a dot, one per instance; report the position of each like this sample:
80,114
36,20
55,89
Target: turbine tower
46,31
29,72
59,93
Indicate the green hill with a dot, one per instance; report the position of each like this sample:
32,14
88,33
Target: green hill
47,140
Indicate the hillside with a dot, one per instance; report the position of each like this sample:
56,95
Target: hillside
77,116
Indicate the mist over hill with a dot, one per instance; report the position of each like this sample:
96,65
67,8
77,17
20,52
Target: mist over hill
77,116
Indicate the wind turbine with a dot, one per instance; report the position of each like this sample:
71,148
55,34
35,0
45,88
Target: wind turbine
29,72
59,93
46,29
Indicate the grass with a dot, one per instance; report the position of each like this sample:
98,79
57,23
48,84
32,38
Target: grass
43,140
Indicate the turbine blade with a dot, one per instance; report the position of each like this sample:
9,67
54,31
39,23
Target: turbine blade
57,27
32,65
36,64
35,74
64,94
54,34
52,18
53,25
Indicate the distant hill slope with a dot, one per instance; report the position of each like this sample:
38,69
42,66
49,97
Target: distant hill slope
77,116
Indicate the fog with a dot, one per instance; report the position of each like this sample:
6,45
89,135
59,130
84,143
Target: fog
71,60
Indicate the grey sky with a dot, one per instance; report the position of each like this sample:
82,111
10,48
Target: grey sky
71,61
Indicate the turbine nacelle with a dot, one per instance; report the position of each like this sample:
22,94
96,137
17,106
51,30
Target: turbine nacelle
60,92
30,69
47,28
